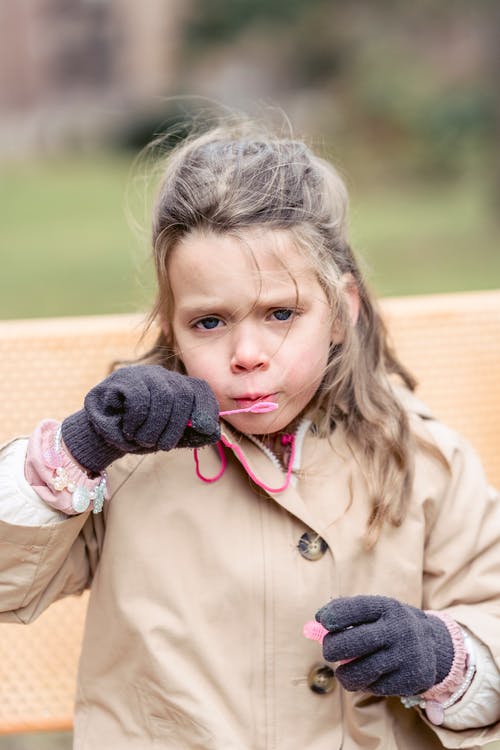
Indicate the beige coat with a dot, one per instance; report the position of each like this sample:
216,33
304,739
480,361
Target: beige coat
200,592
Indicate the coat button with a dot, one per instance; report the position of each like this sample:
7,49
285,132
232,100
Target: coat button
312,546
321,679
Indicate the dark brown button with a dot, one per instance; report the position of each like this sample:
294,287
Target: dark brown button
321,679
312,546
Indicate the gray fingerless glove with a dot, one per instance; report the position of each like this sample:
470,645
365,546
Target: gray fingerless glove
396,649
141,409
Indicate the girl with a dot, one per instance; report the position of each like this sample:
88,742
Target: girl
327,488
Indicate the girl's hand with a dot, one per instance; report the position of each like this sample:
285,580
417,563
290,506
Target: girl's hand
141,409
391,647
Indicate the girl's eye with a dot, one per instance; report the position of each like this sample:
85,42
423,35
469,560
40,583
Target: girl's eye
207,324
284,314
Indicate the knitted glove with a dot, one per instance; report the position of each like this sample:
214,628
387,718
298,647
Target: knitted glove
395,649
141,409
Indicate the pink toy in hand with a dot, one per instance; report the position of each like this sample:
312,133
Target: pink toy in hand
316,632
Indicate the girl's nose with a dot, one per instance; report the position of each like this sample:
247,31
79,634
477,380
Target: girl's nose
248,355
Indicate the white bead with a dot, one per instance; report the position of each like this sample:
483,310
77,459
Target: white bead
99,496
80,500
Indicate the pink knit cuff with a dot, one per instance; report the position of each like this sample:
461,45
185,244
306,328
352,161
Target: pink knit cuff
56,477
455,677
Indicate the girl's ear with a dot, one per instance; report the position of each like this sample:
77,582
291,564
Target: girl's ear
351,291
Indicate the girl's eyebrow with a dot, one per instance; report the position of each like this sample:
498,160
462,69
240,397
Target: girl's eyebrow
195,305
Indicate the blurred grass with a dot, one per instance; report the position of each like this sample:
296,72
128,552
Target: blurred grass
418,239
66,247
37,741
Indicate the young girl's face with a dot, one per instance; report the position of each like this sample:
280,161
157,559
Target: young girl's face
250,317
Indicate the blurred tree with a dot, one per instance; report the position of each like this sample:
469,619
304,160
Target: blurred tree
216,21
418,79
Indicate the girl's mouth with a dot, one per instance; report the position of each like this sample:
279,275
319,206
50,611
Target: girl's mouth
250,399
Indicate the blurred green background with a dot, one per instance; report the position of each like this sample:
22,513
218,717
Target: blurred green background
403,99
68,247
402,96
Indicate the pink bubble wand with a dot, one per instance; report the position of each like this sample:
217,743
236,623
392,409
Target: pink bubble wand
260,407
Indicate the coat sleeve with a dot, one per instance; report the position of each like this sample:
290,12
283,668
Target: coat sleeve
19,503
480,706
42,557
462,559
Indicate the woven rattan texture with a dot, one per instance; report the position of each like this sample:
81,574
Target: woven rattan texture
38,666
46,367
450,342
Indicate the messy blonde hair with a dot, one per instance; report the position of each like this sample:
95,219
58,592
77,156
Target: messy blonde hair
236,177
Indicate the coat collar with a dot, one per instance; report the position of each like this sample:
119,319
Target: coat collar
266,467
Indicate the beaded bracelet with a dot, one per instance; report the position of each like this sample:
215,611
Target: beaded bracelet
81,496
435,710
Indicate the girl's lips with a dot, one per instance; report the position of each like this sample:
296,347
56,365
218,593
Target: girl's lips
247,400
